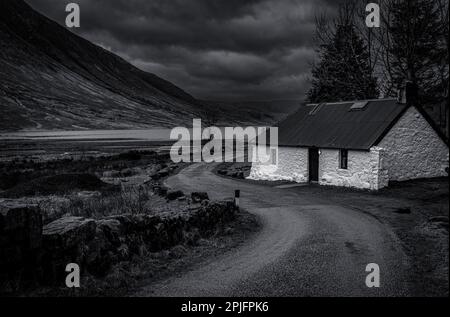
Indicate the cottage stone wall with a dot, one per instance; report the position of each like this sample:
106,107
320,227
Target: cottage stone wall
292,166
365,169
413,149
410,150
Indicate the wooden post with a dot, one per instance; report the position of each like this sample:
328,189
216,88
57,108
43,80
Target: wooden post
237,194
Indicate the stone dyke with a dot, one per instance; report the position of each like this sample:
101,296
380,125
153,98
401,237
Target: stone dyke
31,253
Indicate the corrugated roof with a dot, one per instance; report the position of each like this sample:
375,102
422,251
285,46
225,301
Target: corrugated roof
335,125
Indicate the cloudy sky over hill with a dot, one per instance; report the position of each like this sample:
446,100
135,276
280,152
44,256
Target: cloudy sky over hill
214,49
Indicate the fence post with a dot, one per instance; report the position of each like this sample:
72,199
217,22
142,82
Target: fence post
237,194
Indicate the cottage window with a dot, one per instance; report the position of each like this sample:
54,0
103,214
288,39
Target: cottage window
343,159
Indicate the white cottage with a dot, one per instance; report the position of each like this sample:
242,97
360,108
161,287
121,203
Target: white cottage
362,144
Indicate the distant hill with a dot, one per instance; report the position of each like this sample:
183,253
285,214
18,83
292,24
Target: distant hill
51,78
269,112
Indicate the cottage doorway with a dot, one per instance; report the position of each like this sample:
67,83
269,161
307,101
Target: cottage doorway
313,161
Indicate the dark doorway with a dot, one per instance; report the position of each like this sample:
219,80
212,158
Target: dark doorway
313,164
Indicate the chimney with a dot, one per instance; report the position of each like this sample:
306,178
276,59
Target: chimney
407,93
401,94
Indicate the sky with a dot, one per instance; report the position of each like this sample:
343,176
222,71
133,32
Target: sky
229,50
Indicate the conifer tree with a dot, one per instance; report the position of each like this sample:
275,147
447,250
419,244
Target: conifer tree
344,71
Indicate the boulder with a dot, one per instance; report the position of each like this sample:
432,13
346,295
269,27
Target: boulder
160,190
21,225
111,174
127,172
111,230
178,251
402,210
161,173
65,241
68,232
198,197
103,251
88,194
51,207
174,194
20,242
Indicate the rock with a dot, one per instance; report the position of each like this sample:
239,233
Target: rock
21,223
160,190
440,222
123,251
198,197
192,237
161,173
51,207
111,229
96,245
174,194
64,241
111,174
228,231
88,194
442,225
127,172
107,248
439,219
402,210
68,232
20,242
178,251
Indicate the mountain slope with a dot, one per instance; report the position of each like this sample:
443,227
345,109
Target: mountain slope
51,78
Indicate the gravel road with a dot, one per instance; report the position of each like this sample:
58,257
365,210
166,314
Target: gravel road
306,247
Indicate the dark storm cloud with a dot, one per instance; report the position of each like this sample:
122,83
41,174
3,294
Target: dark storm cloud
219,49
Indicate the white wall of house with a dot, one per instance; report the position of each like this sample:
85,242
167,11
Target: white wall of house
410,150
413,149
364,170
292,166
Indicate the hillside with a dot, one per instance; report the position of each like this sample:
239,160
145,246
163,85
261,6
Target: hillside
269,112
51,78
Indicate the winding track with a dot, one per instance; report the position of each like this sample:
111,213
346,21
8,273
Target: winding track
306,247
